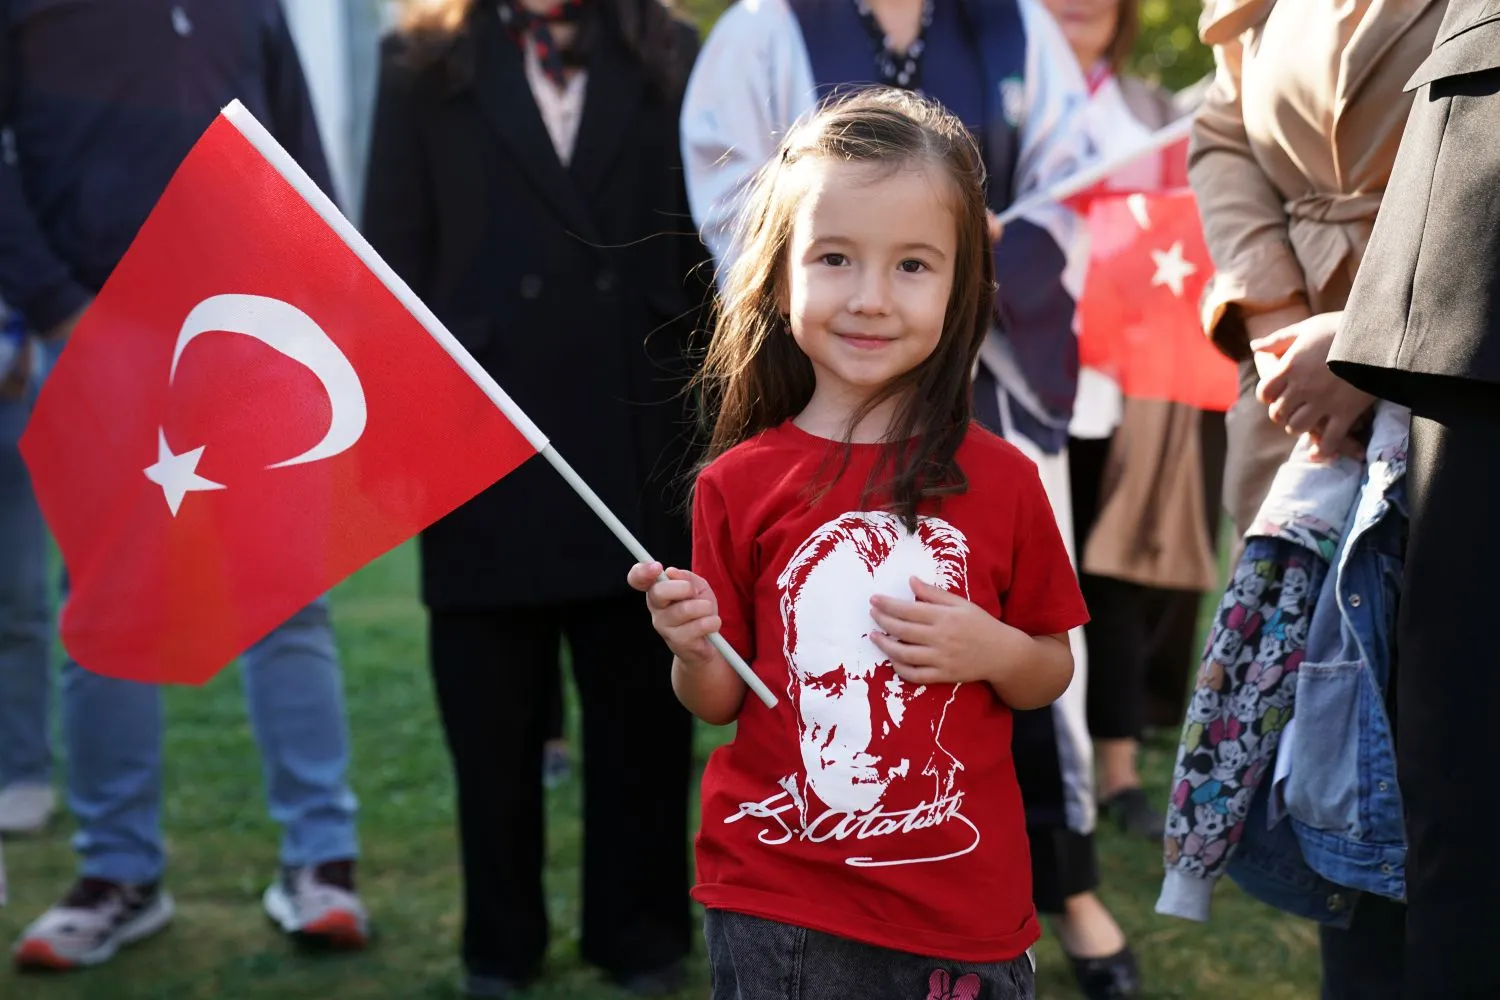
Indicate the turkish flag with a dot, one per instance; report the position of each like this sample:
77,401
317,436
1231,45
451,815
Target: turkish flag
254,407
1138,318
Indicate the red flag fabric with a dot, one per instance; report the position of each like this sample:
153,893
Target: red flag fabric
1138,318
254,407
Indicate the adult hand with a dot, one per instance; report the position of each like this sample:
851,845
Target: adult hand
683,609
1304,396
997,228
939,638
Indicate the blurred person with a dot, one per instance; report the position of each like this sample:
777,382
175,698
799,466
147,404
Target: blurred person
1286,777
27,799
524,178
1145,473
86,88
1422,328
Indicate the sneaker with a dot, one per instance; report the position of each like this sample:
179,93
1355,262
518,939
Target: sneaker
95,919
26,808
318,904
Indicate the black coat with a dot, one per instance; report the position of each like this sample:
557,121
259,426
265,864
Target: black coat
1425,310
575,287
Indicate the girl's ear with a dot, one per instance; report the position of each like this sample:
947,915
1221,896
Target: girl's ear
783,301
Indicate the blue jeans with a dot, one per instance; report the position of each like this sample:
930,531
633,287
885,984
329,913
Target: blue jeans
113,728
25,613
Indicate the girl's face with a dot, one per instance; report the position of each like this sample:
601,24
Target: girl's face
1089,26
870,270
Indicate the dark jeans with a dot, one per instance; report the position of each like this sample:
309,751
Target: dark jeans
495,675
755,959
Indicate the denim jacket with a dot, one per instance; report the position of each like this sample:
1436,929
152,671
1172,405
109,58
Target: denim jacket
1335,823
1294,683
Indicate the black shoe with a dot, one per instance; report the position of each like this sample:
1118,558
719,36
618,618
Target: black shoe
1113,978
670,978
1134,814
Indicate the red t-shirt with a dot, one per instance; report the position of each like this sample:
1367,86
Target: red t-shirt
863,806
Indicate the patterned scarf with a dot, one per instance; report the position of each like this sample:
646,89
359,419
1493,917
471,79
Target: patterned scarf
525,24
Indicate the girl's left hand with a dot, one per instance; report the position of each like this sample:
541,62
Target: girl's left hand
939,638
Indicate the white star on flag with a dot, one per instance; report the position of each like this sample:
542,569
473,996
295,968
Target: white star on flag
1172,269
177,475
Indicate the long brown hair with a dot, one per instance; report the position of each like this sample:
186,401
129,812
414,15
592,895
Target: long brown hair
649,28
754,377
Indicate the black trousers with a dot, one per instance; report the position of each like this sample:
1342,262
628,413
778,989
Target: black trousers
1447,691
1364,961
494,672
1140,639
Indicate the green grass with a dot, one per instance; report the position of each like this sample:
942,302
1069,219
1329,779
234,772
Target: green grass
223,848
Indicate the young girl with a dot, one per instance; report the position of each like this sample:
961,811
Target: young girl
1005,69
892,570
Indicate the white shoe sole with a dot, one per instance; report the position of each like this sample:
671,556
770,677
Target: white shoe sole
339,928
38,953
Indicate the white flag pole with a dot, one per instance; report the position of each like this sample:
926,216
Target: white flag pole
1083,179
267,146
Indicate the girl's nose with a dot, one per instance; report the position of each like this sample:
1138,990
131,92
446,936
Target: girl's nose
873,296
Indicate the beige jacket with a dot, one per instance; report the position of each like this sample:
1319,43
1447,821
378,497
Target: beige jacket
1290,155
1294,144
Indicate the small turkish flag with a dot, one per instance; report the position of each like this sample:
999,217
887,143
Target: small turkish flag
254,407
1138,316
1138,319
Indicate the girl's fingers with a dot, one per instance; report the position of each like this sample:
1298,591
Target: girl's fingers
901,629
664,595
904,652
685,613
916,612
692,632
643,575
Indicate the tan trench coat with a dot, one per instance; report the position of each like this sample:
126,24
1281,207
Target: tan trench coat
1291,153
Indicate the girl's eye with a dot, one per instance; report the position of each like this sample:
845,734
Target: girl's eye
835,259
912,266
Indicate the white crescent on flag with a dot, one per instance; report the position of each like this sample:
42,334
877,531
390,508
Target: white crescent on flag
286,329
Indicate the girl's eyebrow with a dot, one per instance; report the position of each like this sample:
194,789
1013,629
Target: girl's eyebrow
927,248
844,241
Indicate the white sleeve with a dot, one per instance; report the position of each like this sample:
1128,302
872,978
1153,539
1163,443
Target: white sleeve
1054,142
751,83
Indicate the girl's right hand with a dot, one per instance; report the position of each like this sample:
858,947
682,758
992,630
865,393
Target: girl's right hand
683,609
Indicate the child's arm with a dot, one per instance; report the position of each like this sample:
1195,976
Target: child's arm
941,638
685,613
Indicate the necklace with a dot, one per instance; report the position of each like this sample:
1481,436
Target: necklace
897,69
